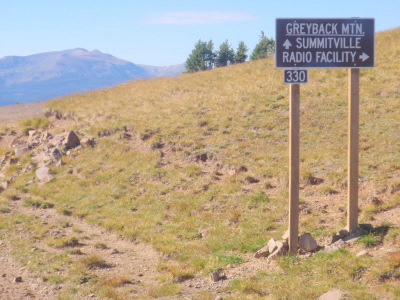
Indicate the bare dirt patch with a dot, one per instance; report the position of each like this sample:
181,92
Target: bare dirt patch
11,113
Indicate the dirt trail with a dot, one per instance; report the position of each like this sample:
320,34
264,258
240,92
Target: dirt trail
11,113
136,262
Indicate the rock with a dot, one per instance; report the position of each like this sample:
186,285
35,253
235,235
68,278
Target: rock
217,275
45,136
352,237
281,249
263,252
243,169
72,140
393,250
43,174
59,163
367,227
13,161
14,142
115,251
332,295
362,253
343,232
250,179
87,142
272,245
18,279
335,238
359,231
374,200
285,236
21,149
32,139
335,246
4,158
56,154
57,140
204,233
307,242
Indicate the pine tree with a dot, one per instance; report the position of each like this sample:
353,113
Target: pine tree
265,48
241,53
225,55
202,57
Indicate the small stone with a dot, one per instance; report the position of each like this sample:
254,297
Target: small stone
59,163
31,137
359,231
280,250
307,242
367,227
231,172
21,150
217,275
204,233
18,279
250,179
332,295
243,169
392,250
72,140
115,251
272,245
352,237
87,141
45,136
335,238
335,246
285,236
56,154
362,253
343,232
43,174
263,252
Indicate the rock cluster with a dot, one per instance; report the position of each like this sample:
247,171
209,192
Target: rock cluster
344,238
307,243
275,248
45,149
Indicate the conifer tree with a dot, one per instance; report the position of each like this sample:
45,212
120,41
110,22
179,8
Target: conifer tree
265,48
225,55
241,53
202,57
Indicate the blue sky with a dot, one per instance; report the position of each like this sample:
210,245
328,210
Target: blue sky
157,32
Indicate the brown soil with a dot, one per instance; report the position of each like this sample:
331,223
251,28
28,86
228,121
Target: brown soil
11,113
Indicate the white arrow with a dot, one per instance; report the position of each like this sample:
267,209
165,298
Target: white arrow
364,56
287,44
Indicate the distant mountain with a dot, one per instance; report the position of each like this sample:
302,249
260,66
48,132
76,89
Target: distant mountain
53,74
154,71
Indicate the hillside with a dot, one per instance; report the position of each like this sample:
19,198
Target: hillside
178,177
53,74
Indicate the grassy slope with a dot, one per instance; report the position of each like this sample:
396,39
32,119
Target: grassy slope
238,116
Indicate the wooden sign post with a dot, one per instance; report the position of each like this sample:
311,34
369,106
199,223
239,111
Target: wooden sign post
353,133
323,43
294,162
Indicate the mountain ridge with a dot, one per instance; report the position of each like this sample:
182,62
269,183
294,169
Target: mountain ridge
48,75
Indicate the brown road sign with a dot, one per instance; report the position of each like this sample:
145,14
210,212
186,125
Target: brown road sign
325,43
